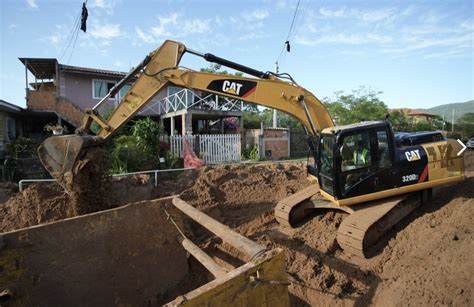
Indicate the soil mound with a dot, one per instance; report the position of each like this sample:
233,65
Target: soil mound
38,204
44,203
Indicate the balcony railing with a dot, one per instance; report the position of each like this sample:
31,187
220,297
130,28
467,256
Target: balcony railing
186,99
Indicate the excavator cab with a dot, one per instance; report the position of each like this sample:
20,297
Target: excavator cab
356,160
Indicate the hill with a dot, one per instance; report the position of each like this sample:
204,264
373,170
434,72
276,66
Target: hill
460,108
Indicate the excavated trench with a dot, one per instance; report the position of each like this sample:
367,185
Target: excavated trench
426,260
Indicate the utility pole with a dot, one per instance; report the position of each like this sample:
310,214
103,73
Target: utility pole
275,115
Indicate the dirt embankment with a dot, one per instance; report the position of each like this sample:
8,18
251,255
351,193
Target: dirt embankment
45,203
427,260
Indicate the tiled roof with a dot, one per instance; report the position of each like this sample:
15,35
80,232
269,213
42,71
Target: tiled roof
45,68
92,70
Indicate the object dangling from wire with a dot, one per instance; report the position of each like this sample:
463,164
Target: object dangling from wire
84,15
288,47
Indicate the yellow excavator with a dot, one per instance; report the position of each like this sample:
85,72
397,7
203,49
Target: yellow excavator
364,169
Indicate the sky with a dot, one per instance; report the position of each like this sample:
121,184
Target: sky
419,54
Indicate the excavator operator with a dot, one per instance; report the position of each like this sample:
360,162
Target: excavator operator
361,154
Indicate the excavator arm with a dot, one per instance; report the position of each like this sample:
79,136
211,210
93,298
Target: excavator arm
61,154
162,68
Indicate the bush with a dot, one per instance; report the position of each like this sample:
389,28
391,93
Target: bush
251,153
147,133
140,150
127,155
22,147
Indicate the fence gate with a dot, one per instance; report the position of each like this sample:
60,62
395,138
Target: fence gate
212,148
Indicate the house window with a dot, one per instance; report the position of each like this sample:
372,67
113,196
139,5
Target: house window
100,88
123,91
11,129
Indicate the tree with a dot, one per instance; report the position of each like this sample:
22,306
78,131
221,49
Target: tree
438,123
362,105
422,125
466,125
400,121
147,133
251,120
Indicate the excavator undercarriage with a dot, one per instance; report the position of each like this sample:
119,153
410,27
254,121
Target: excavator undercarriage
361,232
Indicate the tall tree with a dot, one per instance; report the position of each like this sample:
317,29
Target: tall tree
362,105
400,121
466,125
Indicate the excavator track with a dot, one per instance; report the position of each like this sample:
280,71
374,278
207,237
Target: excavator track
293,209
360,232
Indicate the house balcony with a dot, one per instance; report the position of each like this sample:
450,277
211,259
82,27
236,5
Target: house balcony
188,99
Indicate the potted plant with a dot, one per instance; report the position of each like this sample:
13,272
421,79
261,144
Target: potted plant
56,128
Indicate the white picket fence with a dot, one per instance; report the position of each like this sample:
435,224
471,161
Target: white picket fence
213,148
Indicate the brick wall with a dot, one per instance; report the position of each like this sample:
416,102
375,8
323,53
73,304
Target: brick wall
45,100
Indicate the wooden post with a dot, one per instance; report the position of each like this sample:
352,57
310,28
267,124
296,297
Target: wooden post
202,257
240,242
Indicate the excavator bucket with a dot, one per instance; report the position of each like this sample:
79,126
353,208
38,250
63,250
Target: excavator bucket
60,154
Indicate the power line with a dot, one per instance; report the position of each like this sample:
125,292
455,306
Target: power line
301,18
293,20
70,37
292,30
73,46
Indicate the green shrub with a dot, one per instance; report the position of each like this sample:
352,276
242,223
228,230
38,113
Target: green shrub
147,133
251,153
22,147
127,155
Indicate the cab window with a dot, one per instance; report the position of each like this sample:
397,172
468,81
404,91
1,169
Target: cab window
383,150
356,158
326,167
355,152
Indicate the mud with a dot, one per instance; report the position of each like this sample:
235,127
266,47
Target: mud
426,260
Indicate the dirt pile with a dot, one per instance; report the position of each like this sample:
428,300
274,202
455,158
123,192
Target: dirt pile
29,208
430,262
44,203
427,260
86,183
245,191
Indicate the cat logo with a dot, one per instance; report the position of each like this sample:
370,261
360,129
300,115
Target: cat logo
413,155
231,87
